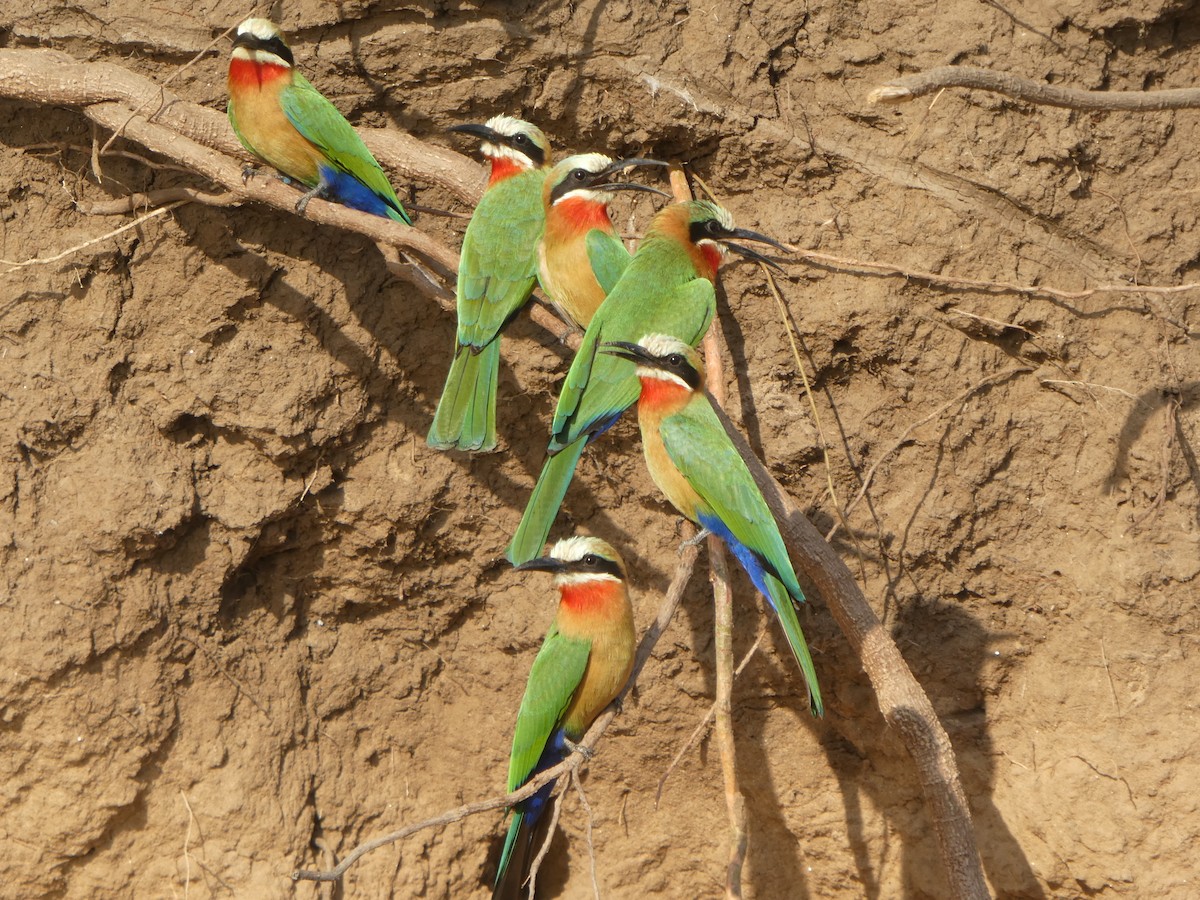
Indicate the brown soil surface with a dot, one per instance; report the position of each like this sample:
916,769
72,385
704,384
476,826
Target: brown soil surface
251,617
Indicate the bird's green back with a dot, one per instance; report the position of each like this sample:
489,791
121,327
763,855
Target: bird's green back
499,261
556,674
659,292
319,121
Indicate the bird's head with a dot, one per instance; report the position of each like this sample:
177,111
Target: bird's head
592,177
662,357
261,41
511,139
711,226
579,560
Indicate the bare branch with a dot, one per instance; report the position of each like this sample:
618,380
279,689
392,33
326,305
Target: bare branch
909,87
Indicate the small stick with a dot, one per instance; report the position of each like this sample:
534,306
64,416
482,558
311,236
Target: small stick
718,567
536,865
699,730
909,87
42,260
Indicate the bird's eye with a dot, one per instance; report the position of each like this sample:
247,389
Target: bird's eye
712,226
520,140
580,174
590,559
676,359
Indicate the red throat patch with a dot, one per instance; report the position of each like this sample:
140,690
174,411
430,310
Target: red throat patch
502,168
590,597
659,393
582,215
712,258
244,73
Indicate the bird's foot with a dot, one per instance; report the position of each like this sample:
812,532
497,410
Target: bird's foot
249,170
693,541
585,752
308,195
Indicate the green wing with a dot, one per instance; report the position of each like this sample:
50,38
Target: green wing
695,441
321,123
600,386
608,256
499,262
553,680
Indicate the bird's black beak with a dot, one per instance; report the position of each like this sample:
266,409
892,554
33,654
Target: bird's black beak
479,131
542,564
621,165
755,255
630,186
635,353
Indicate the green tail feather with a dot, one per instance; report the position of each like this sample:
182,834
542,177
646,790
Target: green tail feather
399,213
510,842
795,637
466,414
544,502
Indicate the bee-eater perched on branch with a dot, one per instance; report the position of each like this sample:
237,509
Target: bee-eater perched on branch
581,255
583,664
667,287
692,459
496,273
284,121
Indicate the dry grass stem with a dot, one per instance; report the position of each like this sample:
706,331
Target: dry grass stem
702,727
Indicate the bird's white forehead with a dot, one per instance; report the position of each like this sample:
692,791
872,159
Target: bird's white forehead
263,29
592,162
664,345
507,125
575,548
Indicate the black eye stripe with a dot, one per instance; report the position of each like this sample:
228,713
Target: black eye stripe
706,230
270,45
591,564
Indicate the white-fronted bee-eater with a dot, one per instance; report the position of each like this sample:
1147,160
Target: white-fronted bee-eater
284,121
692,459
496,273
581,255
584,662
667,287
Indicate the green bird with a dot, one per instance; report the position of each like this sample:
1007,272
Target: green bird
496,273
668,287
583,664
284,121
693,460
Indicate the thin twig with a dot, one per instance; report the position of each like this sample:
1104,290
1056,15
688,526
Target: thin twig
851,266
718,568
904,435
187,859
699,730
683,572
547,840
591,818
908,87
162,99
43,260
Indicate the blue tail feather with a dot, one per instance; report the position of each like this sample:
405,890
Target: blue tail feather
344,188
750,561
